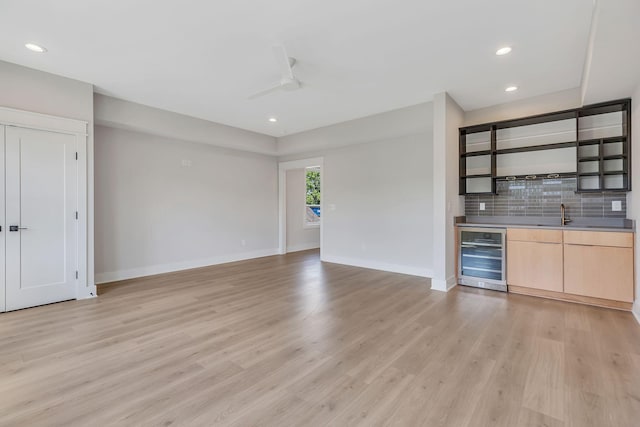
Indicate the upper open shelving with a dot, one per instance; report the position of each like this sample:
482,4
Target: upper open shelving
590,143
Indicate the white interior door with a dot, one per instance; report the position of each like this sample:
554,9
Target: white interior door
3,230
41,204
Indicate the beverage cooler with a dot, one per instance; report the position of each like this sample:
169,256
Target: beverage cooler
481,258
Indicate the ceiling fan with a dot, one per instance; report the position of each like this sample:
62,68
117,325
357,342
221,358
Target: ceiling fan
288,81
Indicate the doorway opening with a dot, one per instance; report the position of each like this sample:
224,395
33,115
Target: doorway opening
301,205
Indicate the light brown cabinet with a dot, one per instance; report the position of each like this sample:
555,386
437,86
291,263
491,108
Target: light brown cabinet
534,259
599,265
592,267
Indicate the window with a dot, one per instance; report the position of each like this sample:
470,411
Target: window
312,201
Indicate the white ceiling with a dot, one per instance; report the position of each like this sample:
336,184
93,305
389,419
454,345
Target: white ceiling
356,58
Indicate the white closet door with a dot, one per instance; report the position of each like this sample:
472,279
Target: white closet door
3,229
41,201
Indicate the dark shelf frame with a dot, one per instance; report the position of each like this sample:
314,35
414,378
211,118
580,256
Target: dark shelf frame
541,147
597,158
621,105
477,153
596,141
481,175
537,176
608,190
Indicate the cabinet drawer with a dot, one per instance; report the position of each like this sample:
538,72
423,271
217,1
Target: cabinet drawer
534,235
599,238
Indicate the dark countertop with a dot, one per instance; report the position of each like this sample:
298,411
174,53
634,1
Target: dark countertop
583,224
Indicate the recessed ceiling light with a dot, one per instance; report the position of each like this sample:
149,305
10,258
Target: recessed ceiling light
35,48
511,89
503,50
273,119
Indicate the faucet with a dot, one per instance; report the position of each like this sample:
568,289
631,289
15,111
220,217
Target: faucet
563,219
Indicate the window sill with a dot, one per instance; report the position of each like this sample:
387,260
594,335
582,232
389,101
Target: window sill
309,226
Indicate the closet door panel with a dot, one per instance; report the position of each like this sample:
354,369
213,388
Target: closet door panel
41,200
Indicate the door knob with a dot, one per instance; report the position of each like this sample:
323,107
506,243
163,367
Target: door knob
16,228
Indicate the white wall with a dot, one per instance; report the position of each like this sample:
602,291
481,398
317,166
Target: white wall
32,90
557,101
633,198
113,112
447,204
377,193
377,205
379,127
299,238
155,213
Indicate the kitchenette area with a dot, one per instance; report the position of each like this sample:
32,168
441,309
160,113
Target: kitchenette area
545,206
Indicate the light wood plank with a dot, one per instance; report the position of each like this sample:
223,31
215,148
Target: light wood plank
544,387
599,272
290,341
599,238
534,235
535,265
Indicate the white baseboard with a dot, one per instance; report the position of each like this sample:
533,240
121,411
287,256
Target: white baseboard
444,285
636,310
375,265
86,293
303,247
112,276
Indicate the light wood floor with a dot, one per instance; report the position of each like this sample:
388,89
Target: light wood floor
290,341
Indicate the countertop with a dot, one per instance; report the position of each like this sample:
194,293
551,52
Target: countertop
624,226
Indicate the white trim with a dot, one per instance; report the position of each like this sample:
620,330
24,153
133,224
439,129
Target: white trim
382,266
635,310
443,285
303,247
89,218
301,164
112,276
283,167
31,120
85,287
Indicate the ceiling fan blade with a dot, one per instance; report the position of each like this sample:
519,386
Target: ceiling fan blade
266,91
284,64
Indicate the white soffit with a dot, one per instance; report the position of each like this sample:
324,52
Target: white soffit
612,70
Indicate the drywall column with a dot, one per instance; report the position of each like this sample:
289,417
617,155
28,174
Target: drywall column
447,118
633,198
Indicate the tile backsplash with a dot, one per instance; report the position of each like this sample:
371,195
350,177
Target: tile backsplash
542,197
